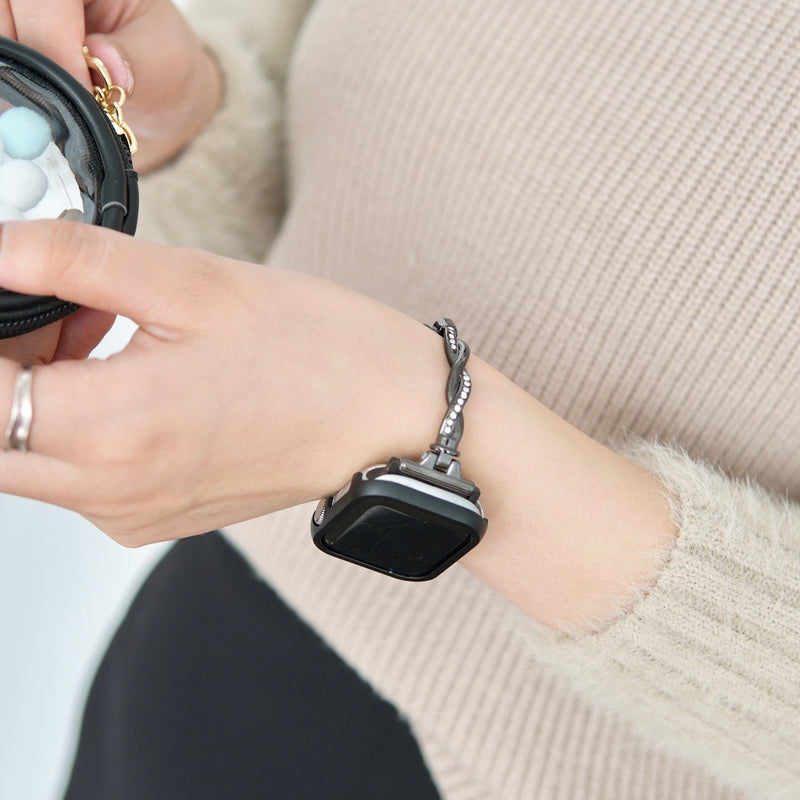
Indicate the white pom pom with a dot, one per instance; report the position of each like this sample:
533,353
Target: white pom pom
10,213
22,184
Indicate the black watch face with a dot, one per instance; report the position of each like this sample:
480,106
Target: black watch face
390,539
400,538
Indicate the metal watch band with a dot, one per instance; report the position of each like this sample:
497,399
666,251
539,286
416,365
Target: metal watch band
443,453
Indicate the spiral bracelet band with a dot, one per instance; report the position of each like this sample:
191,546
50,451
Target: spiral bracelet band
443,453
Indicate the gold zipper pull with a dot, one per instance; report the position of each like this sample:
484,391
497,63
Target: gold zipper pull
111,98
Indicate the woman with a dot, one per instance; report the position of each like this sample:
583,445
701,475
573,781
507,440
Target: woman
602,196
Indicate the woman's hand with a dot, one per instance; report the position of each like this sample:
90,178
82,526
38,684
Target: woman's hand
246,389
177,86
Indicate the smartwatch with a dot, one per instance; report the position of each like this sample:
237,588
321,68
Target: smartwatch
410,519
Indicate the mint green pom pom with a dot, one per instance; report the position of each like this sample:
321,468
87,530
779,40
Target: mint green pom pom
25,134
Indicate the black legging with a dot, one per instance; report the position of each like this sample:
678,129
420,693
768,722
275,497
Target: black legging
213,688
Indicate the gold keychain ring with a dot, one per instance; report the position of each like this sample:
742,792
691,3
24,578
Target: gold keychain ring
111,98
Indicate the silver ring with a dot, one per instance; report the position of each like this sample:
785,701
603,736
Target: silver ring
19,424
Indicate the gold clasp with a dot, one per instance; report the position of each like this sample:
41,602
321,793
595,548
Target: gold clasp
111,99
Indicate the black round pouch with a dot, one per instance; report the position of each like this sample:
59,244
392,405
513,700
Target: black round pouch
84,172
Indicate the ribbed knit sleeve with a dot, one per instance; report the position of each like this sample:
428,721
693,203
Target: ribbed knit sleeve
709,659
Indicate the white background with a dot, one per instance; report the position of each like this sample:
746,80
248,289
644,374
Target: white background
63,588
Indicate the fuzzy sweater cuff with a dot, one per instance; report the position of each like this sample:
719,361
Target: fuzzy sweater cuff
712,650
234,166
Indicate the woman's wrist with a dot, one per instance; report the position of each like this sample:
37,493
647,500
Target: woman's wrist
576,531
395,398
162,141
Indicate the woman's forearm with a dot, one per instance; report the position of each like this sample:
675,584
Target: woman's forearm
575,528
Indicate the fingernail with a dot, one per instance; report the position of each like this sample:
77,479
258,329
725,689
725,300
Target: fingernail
119,68
129,83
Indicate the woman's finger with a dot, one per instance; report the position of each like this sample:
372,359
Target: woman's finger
54,28
7,28
60,403
40,478
81,332
29,474
158,287
36,347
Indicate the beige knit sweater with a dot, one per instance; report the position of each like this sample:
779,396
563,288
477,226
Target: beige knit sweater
604,196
